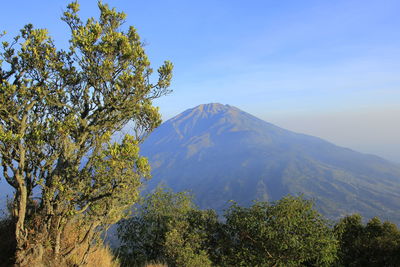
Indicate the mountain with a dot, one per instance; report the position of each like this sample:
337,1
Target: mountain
221,153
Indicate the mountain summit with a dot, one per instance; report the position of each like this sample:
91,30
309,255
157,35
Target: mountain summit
222,153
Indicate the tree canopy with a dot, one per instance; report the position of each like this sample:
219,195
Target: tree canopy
58,112
167,227
376,243
289,232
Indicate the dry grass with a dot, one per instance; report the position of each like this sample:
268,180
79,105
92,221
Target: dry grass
99,255
102,257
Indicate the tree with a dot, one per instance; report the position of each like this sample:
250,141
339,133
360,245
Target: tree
58,112
373,244
286,233
168,228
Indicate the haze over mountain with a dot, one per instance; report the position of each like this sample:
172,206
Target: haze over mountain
221,153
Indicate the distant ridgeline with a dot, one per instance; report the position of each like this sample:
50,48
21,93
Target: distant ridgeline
221,153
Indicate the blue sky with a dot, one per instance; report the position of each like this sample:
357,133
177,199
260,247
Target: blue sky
326,68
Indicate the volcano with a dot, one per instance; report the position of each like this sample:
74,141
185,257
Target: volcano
221,153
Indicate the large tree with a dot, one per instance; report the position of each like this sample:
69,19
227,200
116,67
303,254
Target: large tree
58,112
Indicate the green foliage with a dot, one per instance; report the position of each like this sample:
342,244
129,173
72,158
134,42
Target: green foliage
373,244
286,233
166,228
58,111
183,246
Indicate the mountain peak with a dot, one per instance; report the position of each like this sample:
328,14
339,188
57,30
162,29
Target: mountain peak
203,111
212,108
216,118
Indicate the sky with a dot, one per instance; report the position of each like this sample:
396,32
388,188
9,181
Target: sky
326,68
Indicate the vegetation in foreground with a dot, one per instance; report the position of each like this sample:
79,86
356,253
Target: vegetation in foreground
167,227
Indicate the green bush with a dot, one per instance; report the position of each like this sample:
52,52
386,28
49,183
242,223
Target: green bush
286,233
373,244
168,228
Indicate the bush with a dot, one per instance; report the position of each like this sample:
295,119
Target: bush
166,228
286,233
373,244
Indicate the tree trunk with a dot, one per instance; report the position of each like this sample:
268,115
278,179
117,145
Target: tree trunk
57,245
58,230
20,203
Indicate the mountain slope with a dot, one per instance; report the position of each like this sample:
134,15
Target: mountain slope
221,153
